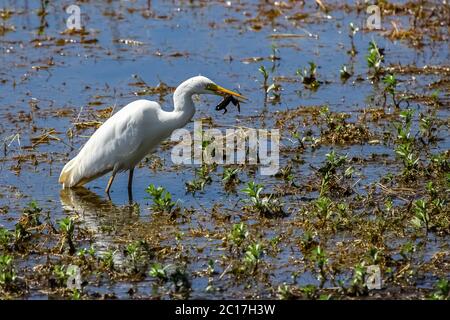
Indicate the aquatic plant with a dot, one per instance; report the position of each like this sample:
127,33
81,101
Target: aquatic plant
344,73
159,272
136,256
358,283
422,215
442,290
405,143
265,205
253,255
309,76
203,178
162,199
265,75
353,29
67,227
391,88
5,238
107,260
230,178
374,58
7,272
238,234
320,259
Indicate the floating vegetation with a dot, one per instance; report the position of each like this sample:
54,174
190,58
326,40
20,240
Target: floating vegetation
363,179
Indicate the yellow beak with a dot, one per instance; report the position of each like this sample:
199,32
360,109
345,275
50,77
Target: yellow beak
224,92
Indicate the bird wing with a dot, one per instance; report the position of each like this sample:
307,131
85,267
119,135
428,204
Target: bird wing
112,147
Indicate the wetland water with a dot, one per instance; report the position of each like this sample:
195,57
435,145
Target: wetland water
327,218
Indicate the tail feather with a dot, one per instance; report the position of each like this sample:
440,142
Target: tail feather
67,177
72,174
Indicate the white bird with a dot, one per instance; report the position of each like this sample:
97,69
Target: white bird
133,132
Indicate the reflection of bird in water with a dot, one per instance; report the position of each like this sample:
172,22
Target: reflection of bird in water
96,215
130,134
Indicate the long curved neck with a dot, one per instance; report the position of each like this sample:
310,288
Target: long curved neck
184,108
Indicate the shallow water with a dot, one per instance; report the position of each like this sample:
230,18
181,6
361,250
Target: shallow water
45,85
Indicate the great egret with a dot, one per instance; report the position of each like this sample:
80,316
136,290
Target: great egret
133,132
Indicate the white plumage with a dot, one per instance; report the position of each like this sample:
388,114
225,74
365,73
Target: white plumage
133,132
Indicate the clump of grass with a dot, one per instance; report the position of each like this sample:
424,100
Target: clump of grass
323,208
267,206
162,199
307,241
309,76
31,214
310,291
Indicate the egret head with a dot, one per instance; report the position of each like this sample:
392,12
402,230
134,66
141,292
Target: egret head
203,85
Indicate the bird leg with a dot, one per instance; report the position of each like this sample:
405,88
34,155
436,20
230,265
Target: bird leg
130,185
110,181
